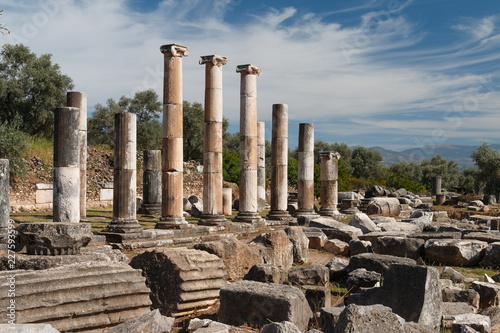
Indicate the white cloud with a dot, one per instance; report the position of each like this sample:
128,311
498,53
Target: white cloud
479,29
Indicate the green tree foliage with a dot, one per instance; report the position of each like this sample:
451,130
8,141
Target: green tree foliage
13,144
231,141
488,162
3,29
31,88
231,166
399,180
438,166
293,171
344,182
148,109
366,163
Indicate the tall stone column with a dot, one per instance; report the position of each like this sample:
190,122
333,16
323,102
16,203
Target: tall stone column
305,175
248,144
261,166
66,195
79,100
125,175
151,180
279,165
329,182
4,198
213,213
436,185
172,153
227,201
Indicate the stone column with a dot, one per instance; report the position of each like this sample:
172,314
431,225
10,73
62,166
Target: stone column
66,195
435,185
4,197
279,165
125,175
151,183
212,142
305,174
79,100
172,153
329,183
227,201
261,166
248,144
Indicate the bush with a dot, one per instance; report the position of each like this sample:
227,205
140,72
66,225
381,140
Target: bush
293,171
13,144
231,166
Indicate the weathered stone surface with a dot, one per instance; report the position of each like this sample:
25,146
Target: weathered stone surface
489,293
372,236
337,268
384,206
363,222
152,322
329,317
27,328
379,263
281,327
375,318
266,273
336,246
182,280
454,294
426,235
476,321
300,244
400,247
399,227
208,326
316,237
492,255
255,304
318,297
450,273
454,252
488,237
361,278
359,246
237,256
404,282
493,312
456,308
81,298
54,238
309,275
335,229
274,248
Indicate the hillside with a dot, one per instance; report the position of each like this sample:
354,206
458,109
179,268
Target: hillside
459,153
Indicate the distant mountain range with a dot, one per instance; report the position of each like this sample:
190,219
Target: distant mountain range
459,153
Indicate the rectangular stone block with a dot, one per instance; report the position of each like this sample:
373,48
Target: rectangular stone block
106,194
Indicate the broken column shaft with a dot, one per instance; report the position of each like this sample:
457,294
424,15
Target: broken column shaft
66,195
305,176
79,100
4,198
172,151
329,182
279,165
125,175
151,183
213,213
261,166
248,144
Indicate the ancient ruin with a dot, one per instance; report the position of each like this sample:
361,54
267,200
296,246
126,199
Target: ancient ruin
261,166
305,175
329,182
151,201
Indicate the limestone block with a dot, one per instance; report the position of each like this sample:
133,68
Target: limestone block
336,246
300,244
337,268
27,328
455,252
329,317
335,229
400,247
266,273
182,280
384,206
54,238
489,293
281,327
359,246
311,275
361,278
256,304
318,297
44,193
316,237
494,313
106,194
379,263
450,273
477,322
274,248
151,322
454,294
363,222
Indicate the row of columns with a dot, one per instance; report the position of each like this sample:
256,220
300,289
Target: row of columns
70,156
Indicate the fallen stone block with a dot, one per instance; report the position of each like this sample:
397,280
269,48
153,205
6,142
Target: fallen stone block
455,252
281,327
27,328
492,255
256,304
274,248
335,229
266,273
383,206
81,298
450,273
316,237
300,244
494,313
337,268
318,297
329,317
207,326
489,293
151,322
469,296
476,321
361,278
426,235
311,275
488,236
363,222
336,246
182,280
238,257
400,247
379,263
359,246
399,227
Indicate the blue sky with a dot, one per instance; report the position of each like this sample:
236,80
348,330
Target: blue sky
392,73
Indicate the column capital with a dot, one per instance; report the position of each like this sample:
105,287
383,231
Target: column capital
248,69
328,155
174,50
213,59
